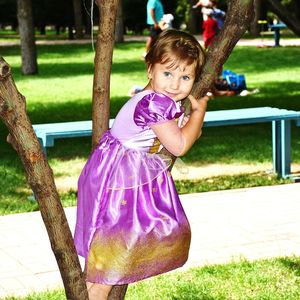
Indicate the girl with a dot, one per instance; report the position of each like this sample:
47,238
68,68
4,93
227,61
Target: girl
130,222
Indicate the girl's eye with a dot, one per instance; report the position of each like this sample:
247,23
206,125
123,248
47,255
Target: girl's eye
167,74
186,78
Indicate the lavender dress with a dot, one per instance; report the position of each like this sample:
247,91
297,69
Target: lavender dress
130,222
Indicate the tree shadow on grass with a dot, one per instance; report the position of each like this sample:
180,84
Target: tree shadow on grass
14,189
62,70
292,264
74,67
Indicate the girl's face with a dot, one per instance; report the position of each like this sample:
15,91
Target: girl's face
173,81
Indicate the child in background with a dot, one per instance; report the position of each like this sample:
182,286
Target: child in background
210,27
130,222
166,22
213,19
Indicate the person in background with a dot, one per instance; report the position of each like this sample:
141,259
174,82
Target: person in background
166,22
213,19
210,27
155,13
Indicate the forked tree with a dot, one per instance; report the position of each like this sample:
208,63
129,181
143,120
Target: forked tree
38,172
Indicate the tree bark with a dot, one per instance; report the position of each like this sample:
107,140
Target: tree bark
119,32
254,26
26,30
103,62
88,17
40,178
78,19
285,15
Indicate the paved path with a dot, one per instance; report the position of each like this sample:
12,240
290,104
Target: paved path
251,223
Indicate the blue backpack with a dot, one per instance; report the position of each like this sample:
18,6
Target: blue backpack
236,82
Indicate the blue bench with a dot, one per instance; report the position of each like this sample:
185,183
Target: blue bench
277,28
280,118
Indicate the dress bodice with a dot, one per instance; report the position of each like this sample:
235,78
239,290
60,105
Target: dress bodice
132,124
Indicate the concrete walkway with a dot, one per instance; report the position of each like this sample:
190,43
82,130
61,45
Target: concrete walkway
251,223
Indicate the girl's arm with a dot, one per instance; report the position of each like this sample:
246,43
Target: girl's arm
179,140
152,13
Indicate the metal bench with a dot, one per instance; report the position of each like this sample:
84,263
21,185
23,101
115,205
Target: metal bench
280,118
277,28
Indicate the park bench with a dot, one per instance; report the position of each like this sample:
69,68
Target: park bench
280,118
277,28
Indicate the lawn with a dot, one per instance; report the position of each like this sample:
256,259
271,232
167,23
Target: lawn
62,92
268,279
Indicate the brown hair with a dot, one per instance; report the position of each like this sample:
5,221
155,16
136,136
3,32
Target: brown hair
179,44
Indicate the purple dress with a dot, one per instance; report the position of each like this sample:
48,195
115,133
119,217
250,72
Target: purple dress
130,222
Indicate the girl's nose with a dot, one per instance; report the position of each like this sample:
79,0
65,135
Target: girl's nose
175,84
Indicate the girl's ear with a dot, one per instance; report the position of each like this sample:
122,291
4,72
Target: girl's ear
149,71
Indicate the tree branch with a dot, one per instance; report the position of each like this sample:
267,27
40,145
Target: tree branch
285,15
103,62
40,178
238,18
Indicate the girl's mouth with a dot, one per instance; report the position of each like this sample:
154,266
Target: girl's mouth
171,95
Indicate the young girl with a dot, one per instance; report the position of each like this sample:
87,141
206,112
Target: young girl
130,222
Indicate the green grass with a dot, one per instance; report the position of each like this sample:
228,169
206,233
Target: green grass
268,279
62,91
227,182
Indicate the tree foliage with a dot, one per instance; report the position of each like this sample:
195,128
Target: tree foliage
60,13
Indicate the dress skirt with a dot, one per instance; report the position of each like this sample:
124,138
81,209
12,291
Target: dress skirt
130,222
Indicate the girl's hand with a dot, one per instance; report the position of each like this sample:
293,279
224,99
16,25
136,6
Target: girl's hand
196,104
184,120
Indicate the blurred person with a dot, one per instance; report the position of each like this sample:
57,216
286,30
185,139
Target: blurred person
155,13
166,22
213,19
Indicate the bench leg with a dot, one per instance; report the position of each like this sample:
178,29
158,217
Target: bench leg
277,37
281,141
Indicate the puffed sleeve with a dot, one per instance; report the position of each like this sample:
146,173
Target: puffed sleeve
156,108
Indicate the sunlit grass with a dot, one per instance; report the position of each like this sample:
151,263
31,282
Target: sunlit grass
269,279
62,91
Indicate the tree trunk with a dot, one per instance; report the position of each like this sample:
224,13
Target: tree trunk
40,178
254,26
70,32
88,17
193,15
26,30
78,19
285,15
119,32
103,61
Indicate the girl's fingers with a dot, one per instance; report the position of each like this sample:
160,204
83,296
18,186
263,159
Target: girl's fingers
205,98
193,99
